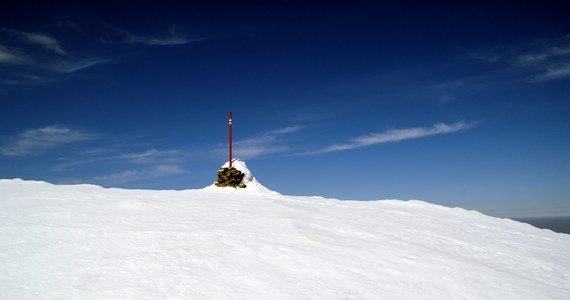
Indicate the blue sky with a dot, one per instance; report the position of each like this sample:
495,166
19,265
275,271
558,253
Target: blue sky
456,104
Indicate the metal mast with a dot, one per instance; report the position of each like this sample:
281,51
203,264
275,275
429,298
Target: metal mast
230,136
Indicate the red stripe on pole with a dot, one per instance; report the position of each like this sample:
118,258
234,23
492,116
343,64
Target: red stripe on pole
230,137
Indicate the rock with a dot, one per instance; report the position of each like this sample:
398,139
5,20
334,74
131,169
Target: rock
231,177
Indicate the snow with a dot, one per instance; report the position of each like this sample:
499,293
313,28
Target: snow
89,242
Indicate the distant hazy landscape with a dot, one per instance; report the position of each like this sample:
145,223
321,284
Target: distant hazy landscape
556,224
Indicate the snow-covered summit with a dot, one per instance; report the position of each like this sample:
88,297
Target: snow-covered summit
89,242
248,179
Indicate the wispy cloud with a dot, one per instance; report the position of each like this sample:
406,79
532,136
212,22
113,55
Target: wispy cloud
285,130
139,175
458,88
258,146
394,135
73,65
151,156
554,72
540,60
34,58
47,71
542,55
37,140
69,24
171,37
12,56
489,55
42,40
264,144
24,79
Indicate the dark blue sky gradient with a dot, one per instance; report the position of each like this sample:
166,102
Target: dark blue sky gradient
458,104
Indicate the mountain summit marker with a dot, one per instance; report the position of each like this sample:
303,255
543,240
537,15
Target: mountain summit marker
230,176
230,137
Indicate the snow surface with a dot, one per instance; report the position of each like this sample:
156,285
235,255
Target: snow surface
88,242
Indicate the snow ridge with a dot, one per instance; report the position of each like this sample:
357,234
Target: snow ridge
89,242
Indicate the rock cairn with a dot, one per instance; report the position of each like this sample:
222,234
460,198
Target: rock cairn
231,177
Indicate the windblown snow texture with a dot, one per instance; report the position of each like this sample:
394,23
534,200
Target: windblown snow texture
88,242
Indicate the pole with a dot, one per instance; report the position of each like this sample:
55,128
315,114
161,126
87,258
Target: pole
230,136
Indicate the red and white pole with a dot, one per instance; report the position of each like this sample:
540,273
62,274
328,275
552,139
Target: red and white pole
230,136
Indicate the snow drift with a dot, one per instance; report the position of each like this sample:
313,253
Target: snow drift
88,242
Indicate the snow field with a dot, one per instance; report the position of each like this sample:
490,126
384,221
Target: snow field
87,242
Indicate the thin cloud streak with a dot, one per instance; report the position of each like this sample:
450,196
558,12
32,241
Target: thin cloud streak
74,65
27,65
258,146
542,55
152,156
26,79
554,72
285,130
394,135
264,144
42,40
69,24
138,175
170,38
541,60
10,56
37,140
